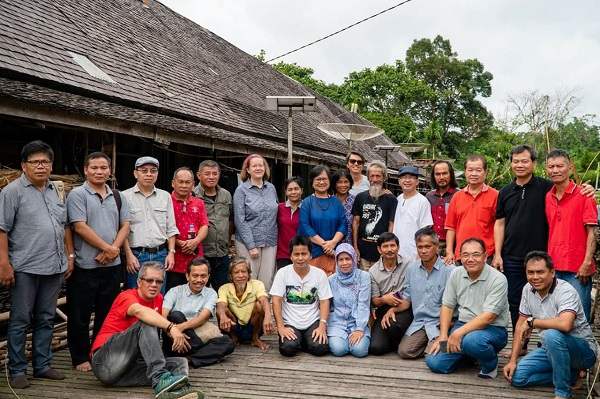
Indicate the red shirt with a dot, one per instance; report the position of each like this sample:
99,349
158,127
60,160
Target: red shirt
287,225
568,217
187,212
439,208
472,216
117,320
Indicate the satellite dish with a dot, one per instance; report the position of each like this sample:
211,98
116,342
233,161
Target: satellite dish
412,147
350,132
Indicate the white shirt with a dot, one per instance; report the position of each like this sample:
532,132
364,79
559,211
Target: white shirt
412,214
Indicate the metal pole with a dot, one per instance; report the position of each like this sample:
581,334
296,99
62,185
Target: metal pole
290,141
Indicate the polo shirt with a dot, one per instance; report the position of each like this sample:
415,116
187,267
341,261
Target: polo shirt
242,308
219,212
488,293
183,299
190,212
384,281
439,209
472,216
562,297
287,223
526,227
568,218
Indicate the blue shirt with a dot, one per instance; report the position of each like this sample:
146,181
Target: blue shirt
323,217
255,215
341,322
424,291
181,298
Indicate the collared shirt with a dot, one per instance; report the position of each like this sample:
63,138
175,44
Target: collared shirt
384,281
255,215
242,308
568,217
287,224
183,299
424,291
35,223
562,297
152,217
488,293
190,212
439,209
101,215
219,211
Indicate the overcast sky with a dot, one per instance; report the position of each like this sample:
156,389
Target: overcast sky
533,44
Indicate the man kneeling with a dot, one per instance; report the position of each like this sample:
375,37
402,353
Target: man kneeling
190,306
126,351
553,307
243,308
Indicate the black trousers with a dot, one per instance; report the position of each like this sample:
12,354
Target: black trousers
384,341
304,342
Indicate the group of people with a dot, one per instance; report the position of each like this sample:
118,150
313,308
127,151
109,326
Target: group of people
349,269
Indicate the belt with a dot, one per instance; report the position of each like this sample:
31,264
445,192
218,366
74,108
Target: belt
151,250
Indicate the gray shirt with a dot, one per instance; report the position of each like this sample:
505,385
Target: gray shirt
101,215
384,281
364,185
255,215
34,222
218,211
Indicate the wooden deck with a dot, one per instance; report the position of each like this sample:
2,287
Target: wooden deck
252,373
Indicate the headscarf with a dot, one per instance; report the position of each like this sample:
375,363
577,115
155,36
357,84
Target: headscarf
345,285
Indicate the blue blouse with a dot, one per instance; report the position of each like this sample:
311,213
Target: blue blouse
323,217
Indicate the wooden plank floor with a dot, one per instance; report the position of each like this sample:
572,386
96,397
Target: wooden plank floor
252,373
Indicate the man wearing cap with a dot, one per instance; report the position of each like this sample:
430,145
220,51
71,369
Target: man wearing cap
412,212
153,229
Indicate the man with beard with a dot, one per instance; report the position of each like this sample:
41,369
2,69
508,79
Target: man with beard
243,308
373,213
444,186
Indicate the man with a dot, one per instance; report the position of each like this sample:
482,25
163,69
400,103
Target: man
573,220
425,281
127,352
412,212
190,306
444,186
479,292
472,211
387,285
101,225
243,307
302,317
192,223
373,213
355,162
553,307
219,211
33,264
153,230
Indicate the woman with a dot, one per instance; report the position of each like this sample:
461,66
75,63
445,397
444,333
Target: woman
255,219
341,181
322,218
347,328
288,216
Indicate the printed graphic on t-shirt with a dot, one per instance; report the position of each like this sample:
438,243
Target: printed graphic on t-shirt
297,294
372,214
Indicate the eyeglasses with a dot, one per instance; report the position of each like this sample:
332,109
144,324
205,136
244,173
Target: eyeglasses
474,255
152,171
322,180
356,161
151,281
37,162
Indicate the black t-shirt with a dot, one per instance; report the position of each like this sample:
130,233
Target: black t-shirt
524,210
375,216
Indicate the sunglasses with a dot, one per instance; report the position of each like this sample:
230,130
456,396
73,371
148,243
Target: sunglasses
151,281
356,161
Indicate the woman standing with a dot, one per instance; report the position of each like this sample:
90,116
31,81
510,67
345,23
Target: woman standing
255,219
322,218
347,328
341,181
288,216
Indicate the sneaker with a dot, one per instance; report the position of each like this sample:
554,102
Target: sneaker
491,374
169,382
184,393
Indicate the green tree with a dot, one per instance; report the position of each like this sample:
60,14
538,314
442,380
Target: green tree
304,75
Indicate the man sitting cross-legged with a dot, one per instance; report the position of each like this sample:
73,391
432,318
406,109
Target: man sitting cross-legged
243,308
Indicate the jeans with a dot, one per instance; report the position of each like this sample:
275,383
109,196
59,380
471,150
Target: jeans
303,341
482,345
134,358
32,295
144,256
558,363
584,291
341,346
219,271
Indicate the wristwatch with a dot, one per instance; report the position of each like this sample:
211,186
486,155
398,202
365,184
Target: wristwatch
172,251
324,321
530,321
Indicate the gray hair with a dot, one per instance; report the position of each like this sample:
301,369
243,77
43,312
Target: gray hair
379,165
151,265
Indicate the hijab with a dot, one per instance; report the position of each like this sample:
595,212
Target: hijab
345,285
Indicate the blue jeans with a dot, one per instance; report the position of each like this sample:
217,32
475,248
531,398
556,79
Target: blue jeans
558,363
584,291
341,346
482,345
144,256
219,271
32,295
134,358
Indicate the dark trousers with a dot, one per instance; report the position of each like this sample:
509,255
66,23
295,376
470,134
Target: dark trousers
514,271
89,290
219,271
384,341
174,279
304,342
201,354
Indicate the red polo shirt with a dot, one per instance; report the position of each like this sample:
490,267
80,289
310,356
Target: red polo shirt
188,212
472,216
568,218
